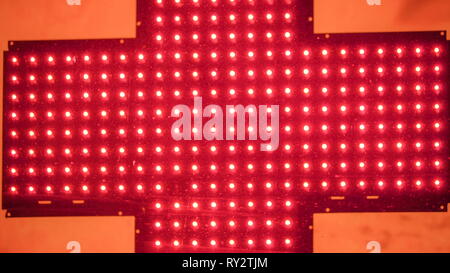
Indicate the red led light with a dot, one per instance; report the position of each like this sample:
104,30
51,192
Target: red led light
357,118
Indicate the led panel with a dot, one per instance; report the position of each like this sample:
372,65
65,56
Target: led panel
362,119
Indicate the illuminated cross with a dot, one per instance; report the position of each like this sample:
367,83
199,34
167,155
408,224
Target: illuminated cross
362,124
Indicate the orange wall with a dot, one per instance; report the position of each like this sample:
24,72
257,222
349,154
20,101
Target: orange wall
67,234
340,16
386,232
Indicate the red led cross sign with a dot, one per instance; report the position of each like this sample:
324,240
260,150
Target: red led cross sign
225,123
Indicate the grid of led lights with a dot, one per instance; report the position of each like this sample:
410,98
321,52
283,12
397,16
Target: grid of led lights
357,118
